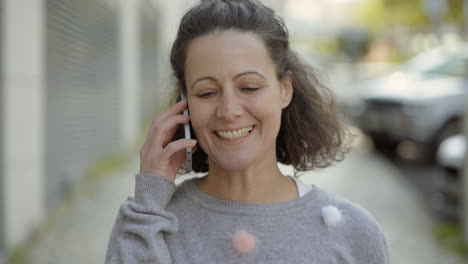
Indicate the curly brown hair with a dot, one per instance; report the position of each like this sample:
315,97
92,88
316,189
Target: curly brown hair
311,135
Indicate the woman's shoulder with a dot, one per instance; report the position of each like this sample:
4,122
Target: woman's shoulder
348,213
185,187
354,225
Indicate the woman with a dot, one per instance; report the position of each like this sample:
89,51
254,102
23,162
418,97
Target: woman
252,104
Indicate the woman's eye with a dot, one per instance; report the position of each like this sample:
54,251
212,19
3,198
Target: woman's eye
206,95
250,89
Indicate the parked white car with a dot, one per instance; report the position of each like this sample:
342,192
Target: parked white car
423,102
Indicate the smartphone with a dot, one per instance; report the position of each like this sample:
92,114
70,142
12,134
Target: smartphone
188,151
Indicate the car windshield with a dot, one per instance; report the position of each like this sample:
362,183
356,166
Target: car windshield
426,63
450,62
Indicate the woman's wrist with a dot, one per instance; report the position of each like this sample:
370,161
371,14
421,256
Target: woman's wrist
153,190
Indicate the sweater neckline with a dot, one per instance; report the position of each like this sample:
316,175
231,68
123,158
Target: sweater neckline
247,208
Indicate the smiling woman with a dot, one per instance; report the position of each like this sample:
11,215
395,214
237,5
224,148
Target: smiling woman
232,86
252,104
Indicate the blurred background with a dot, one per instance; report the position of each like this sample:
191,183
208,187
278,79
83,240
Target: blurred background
81,80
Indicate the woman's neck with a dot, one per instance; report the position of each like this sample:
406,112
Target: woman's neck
260,185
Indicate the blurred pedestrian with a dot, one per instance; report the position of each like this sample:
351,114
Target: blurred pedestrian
252,104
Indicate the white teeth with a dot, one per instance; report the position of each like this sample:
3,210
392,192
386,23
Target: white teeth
235,134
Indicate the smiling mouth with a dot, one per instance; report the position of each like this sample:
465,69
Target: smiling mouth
234,134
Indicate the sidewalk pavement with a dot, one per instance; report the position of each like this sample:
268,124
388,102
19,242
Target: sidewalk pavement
81,235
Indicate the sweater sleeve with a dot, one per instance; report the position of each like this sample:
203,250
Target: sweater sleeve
367,237
138,232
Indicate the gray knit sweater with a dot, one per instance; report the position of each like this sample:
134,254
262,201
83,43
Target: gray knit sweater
168,224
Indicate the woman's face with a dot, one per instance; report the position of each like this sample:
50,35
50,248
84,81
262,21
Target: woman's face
235,98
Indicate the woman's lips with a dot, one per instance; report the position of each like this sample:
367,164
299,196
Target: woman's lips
227,139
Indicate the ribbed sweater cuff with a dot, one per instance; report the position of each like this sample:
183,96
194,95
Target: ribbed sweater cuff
153,191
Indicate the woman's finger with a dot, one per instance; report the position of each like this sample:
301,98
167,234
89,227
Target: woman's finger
194,149
181,155
165,131
174,109
159,122
176,146
179,158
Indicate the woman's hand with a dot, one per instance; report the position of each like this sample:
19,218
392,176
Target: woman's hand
160,156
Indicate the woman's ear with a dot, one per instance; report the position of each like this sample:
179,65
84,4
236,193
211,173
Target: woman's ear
286,90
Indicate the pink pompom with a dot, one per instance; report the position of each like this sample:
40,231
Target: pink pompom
243,242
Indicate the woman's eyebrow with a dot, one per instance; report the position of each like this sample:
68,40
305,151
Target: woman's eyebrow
248,72
234,78
202,79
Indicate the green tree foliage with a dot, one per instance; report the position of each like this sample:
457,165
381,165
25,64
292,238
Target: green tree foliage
380,14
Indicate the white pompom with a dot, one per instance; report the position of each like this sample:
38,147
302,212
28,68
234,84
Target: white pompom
331,215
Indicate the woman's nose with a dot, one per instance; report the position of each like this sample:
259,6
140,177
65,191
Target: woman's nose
229,107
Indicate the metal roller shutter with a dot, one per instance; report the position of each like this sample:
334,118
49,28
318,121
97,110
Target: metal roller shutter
149,63
2,196
82,90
